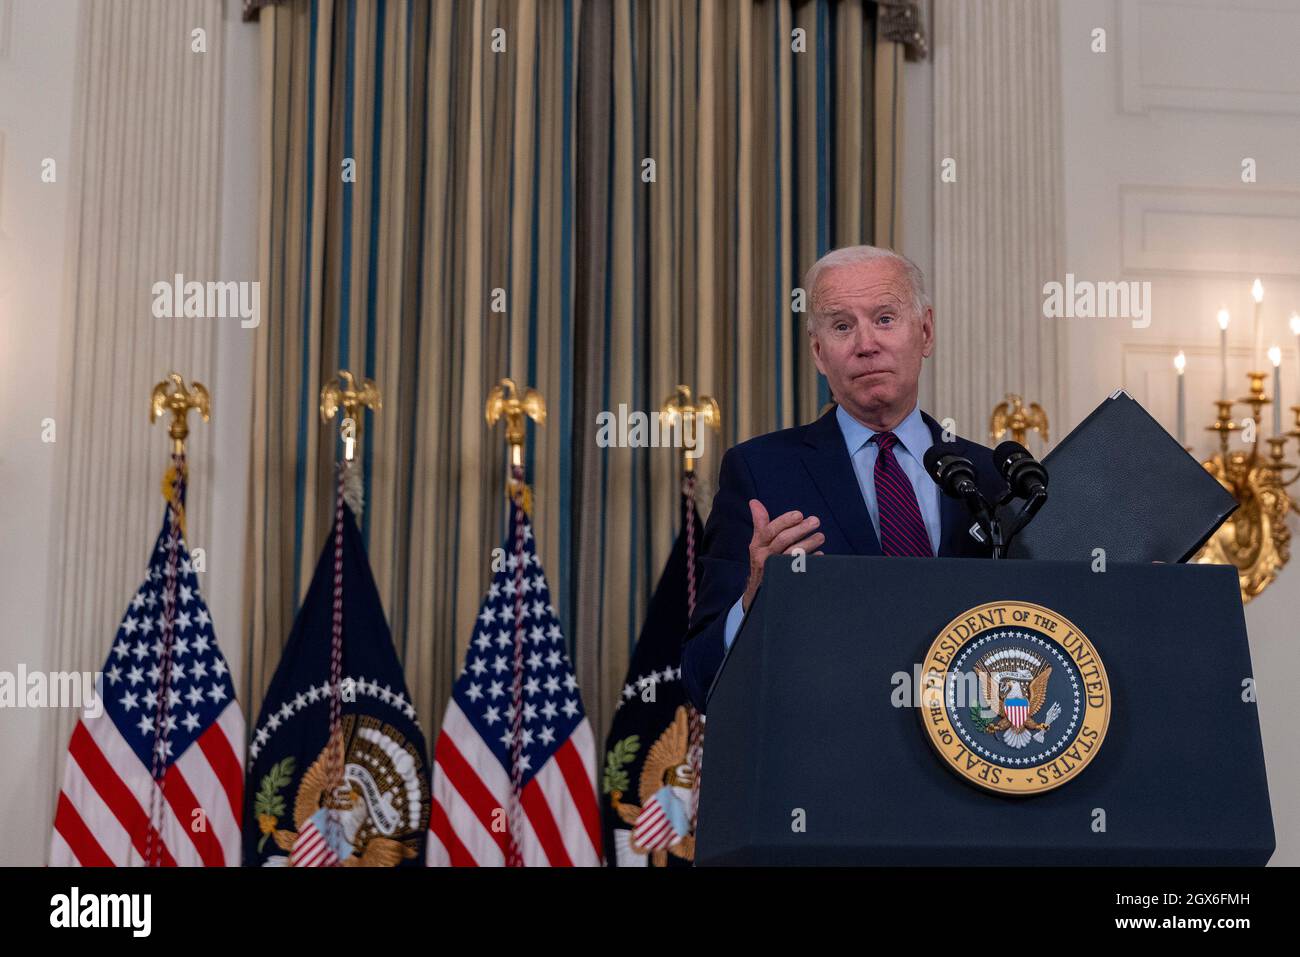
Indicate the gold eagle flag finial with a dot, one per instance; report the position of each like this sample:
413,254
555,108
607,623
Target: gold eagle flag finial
506,401
344,392
1011,416
685,415
170,395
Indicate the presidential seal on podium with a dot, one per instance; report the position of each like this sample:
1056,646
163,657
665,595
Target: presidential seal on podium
1015,698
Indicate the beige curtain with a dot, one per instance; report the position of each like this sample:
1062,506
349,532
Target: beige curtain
499,152
773,131
997,115
143,213
435,271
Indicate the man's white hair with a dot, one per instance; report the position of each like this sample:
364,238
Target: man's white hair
850,255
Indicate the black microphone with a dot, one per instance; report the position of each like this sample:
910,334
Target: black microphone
955,475
1024,474
951,471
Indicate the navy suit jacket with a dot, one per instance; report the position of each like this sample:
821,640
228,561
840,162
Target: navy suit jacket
808,469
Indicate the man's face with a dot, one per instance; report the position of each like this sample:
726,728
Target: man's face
867,339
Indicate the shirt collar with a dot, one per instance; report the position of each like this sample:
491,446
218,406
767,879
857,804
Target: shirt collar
913,434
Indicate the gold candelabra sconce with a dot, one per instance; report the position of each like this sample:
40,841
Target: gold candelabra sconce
1255,538
1011,416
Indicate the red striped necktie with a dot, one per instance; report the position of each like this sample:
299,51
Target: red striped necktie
902,530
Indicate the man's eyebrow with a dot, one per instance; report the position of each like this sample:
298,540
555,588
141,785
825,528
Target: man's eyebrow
893,305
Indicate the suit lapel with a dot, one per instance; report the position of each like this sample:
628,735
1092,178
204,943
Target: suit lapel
826,457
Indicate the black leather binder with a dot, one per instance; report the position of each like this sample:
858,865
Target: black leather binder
1120,482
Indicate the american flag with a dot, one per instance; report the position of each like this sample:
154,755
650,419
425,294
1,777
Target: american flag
121,807
557,821
312,849
656,828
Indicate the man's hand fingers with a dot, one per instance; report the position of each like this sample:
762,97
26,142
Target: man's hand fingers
763,536
808,544
758,513
792,534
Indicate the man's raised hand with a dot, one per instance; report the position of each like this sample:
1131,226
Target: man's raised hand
777,536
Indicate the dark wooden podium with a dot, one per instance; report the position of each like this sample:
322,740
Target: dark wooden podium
808,760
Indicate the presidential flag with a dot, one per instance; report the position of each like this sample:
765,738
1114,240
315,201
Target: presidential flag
156,779
514,764
360,797
648,777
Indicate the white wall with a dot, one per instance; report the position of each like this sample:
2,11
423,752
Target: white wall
1155,133
37,82
37,79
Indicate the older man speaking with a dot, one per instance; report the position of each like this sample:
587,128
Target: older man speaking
851,483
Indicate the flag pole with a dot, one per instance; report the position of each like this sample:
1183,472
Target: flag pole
170,395
681,412
353,397
505,401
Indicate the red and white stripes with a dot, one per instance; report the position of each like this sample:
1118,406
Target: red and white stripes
102,817
468,824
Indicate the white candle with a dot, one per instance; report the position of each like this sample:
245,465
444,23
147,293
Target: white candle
1223,355
1275,357
1180,363
1257,293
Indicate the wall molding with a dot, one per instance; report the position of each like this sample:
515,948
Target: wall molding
1156,72
1147,373
1206,230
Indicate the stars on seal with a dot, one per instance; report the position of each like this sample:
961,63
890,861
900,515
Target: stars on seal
654,677
306,697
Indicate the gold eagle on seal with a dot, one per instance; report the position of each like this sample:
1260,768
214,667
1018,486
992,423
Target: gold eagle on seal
1015,682
376,759
667,767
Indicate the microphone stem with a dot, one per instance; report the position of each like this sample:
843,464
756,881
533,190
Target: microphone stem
985,517
995,533
1027,512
